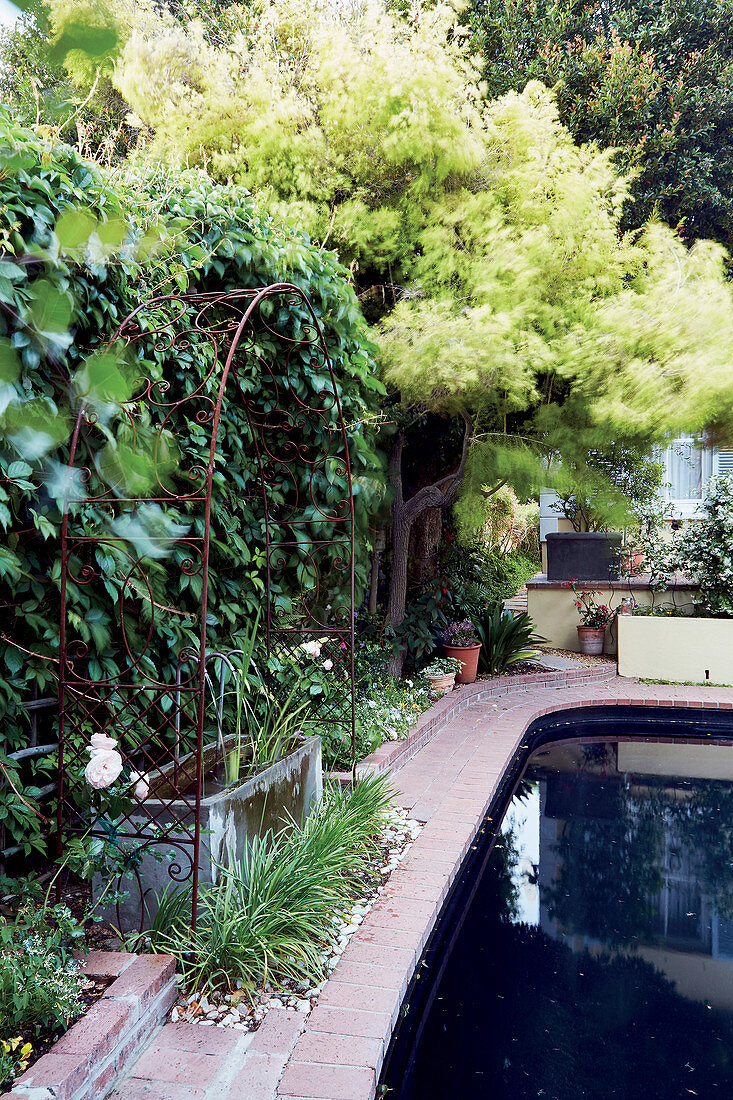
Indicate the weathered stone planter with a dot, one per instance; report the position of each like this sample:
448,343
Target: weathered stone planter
285,792
680,649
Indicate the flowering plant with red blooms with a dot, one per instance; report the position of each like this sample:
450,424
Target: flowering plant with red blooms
591,612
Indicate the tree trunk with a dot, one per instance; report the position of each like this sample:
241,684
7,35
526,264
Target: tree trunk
374,581
404,512
425,537
398,585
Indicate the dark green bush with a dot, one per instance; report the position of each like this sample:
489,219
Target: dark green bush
77,254
505,574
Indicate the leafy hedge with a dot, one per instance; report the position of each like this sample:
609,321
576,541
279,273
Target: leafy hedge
78,252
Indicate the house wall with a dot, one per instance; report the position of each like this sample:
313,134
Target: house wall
681,650
556,617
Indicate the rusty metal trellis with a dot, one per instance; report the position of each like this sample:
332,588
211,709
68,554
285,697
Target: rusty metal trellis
249,347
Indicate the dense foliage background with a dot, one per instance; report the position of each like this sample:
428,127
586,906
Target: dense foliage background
651,79
80,253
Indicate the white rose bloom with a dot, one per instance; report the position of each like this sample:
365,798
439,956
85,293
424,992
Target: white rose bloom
313,649
103,768
100,742
142,786
328,664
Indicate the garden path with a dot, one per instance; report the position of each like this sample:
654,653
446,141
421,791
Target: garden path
335,1053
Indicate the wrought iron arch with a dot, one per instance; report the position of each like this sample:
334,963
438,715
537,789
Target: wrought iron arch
300,446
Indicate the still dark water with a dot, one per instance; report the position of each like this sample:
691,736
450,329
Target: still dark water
595,959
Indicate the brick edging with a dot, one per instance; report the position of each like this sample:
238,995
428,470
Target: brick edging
393,754
87,1060
340,1054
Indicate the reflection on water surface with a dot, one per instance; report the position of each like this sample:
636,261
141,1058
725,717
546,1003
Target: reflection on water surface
596,956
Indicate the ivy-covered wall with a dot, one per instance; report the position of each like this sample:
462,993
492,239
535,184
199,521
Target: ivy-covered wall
78,252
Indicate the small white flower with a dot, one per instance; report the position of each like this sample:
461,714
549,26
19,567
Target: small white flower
103,768
328,664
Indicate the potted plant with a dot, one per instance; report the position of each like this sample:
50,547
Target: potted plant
460,641
594,618
442,674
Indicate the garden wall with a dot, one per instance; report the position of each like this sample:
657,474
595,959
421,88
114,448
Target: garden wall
556,618
680,650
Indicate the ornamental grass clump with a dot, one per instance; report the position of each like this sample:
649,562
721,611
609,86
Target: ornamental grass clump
271,916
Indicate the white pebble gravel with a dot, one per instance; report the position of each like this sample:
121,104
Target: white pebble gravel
218,1010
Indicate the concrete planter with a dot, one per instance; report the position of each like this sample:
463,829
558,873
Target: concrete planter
556,616
680,649
274,798
583,556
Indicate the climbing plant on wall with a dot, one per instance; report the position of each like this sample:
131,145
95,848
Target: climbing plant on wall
79,253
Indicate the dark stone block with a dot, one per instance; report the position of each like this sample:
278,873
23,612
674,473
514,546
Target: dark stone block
586,556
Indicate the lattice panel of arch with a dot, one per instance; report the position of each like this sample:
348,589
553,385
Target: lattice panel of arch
136,540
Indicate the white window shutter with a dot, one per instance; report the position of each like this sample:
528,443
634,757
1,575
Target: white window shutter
723,462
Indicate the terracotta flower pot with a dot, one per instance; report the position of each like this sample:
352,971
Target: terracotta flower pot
468,656
442,682
591,639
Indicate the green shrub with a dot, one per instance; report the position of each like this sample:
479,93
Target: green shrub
505,639
272,913
40,982
505,574
62,293
703,550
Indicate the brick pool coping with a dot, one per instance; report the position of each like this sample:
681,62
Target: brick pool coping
340,1053
87,1060
394,754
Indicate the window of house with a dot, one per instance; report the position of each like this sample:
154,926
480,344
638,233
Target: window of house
688,468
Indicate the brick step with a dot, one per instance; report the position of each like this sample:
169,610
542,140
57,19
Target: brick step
86,1062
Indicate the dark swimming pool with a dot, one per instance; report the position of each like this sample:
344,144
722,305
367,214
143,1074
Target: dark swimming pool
588,949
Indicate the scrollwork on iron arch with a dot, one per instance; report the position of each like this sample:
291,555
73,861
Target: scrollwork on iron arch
113,677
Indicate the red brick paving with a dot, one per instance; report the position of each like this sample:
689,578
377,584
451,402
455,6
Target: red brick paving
161,1063
447,775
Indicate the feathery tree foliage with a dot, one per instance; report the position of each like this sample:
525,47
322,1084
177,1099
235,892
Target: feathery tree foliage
523,314
535,318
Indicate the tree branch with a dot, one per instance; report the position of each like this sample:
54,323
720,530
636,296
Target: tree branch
443,492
